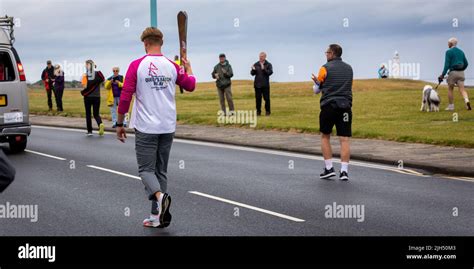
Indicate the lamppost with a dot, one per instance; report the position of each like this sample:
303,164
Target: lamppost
153,13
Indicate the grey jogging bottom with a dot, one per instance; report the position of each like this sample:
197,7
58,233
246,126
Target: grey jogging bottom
153,151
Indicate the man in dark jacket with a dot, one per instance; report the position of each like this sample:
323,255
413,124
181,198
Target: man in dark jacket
7,171
222,73
47,76
262,70
334,80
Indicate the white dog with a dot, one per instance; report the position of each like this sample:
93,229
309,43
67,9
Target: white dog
430,100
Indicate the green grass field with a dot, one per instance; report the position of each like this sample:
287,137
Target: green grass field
382,109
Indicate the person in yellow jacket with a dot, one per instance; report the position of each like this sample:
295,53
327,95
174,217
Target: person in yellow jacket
114,86
177,60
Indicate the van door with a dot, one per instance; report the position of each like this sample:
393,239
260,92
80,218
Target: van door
13,94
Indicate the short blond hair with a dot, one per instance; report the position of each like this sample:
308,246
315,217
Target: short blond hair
57,70
152,35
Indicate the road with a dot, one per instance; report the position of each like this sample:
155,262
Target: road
89,186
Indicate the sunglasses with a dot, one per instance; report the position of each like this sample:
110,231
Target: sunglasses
115,70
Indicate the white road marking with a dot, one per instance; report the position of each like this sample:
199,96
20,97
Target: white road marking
467,179
45,155
69,129
209,196
301,155
247,206
410,172
113,172
282,153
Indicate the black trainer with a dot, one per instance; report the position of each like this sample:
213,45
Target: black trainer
327,173
344,176
468,106
165,215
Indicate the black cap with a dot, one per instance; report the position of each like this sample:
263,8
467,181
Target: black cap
48,62
221,55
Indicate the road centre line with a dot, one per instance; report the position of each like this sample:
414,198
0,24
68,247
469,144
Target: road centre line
45,155
210,197
247,206
113,172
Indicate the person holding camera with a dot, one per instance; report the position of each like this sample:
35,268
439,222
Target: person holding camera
47,76
114,85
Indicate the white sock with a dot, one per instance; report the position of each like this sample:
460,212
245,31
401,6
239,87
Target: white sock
328,163
159,200
344,167
451,105
466,100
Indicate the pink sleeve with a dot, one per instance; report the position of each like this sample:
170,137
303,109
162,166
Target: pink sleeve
129,87
187,82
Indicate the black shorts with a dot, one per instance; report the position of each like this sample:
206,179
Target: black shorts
330,116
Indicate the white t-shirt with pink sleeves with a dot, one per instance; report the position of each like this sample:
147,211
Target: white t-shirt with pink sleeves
153,78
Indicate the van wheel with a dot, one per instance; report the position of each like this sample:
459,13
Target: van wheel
18,146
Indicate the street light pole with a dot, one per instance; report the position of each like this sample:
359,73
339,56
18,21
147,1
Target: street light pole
153,13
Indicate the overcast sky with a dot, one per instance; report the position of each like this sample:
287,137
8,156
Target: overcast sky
294,34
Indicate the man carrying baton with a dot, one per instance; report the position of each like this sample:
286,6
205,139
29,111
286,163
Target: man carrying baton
153,78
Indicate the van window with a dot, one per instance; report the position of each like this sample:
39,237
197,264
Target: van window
7,73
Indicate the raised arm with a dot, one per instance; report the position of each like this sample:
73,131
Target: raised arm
465,62
269,69
185,78
229,73
214,73
447,63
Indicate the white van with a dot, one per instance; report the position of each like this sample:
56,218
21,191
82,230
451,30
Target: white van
14,111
